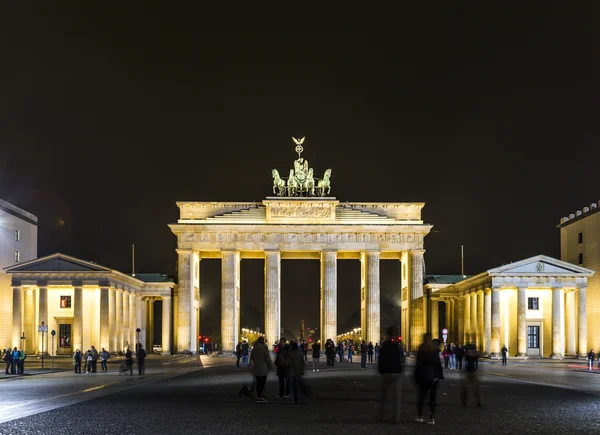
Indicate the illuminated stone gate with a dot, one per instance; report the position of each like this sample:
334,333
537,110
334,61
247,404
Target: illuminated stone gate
308,225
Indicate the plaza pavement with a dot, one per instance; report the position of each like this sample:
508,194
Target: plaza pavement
180,396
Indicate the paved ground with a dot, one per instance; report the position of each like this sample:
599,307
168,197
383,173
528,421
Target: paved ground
179,396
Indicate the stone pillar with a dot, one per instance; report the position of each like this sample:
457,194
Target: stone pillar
453,320
435,317
185,300
487,322
230,284
571,327
142,313
473,334
522,321
582,319
272,297
495,331
126,319
150,326
447,309
112,317
133,323
17,320
557,316
370,322
329,294
119,320
460,321
416,299
467,319
480,309
78,318
104,324
43,316
166,325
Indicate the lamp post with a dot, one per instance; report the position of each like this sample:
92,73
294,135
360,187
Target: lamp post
42,328
53,334
23,342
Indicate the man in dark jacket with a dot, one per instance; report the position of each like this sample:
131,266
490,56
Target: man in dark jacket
363,355
316,354
283,370
140,355
460,353
428,372
390,367
470,382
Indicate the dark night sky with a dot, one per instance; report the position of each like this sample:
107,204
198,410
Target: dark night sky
110,115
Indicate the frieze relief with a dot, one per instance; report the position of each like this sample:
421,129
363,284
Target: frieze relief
304,211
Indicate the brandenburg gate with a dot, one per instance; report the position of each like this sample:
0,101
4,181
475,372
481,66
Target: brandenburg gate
300,221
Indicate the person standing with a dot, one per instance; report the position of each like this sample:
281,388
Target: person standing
129,361
238,354
591,355
8,360
428,372
283,371
140,355
363,355
470,383
370,350
104,355
77,361
504,354
316,354
460,353
340,351
446,356
304,349
390,367
94,353
15,361
22,357
350,352
261,365
245,351
296,371
377,350
452,353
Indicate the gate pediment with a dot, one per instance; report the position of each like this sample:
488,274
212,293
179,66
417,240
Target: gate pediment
300,210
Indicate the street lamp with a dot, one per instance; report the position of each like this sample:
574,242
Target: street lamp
23,342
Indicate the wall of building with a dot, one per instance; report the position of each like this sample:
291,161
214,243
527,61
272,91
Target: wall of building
27,248
570,248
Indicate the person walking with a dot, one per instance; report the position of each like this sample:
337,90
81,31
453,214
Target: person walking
129,361
296,371
363,355
316,354
77,361
304,349
452,353
470,382
104,355
140,355
283,370
238,354
446,356
591,355
377,350
460,353
504,354
390,367
428,372
261,366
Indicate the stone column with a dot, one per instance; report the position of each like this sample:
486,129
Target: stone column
571,327
272,297
119,320
473,334
112,317
43,316
435,317
460,320
495,329
104,324
416,299
480,309
166,325
522,321
150,326
230,283
142,313
582,319
133,323
370,325
487,322
329,294
467,319
453,320
557,316
17,320
185,301
447,308
77,318
126,319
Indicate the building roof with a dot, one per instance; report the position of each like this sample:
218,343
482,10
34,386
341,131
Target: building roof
445,279
153,277
18,212
579,214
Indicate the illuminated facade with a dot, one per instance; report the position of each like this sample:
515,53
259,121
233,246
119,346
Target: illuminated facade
18,243
87,305
537,307
580,244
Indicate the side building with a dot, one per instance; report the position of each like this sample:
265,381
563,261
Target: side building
18,243
580,244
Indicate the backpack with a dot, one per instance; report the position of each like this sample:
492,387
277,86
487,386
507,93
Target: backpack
471,353
89,358
244,391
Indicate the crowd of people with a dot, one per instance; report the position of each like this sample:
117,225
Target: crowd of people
15,361
89,360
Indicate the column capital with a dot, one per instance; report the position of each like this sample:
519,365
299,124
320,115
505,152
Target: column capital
582,287
165,297
417,251
487,290
184,251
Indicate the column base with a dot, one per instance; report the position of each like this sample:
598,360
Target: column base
557,356
521,354
570,355
495,355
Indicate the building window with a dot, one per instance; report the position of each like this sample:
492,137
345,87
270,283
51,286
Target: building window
580,238
64,330
65,301
533,303
533,337
18,236
580,259
17,256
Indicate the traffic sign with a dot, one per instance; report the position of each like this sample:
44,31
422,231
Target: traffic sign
43,328
444,331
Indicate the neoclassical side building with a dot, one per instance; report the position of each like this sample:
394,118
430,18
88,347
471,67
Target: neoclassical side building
87,305
537,307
